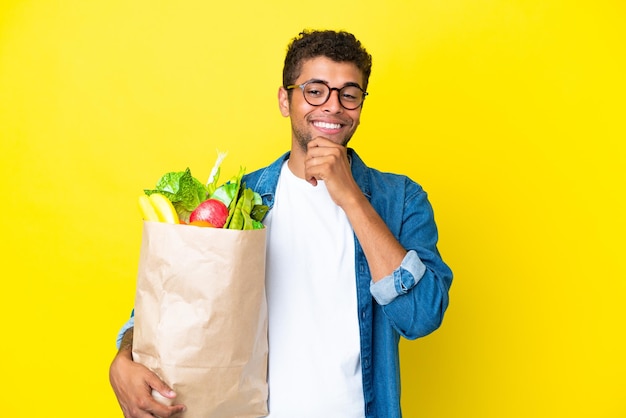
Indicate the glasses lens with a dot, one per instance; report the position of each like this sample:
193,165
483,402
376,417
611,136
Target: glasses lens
316,93
350,97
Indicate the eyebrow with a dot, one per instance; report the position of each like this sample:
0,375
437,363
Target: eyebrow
317,80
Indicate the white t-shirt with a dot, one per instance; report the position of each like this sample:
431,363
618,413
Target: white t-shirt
314,349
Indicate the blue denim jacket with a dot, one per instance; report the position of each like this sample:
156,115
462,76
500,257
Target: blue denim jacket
410,302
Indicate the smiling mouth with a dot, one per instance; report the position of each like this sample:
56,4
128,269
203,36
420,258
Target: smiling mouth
327,125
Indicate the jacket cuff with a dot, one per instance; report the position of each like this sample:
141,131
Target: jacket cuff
400,281
129,324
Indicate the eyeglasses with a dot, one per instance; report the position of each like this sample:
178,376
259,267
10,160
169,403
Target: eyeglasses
316,93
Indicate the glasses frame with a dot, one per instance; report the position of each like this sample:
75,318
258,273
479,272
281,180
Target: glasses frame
330,91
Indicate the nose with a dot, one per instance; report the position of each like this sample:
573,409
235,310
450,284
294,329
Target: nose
333,104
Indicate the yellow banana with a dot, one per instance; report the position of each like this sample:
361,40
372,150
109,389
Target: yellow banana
164,208
147,210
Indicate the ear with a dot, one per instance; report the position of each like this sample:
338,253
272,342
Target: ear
283,101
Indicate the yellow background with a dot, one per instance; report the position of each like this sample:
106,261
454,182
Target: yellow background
510,113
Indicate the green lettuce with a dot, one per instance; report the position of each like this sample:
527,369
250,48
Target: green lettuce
183,190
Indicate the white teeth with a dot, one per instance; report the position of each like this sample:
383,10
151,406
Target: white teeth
327,125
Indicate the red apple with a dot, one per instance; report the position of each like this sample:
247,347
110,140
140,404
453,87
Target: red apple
213,211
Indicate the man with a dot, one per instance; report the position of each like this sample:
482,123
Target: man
352,262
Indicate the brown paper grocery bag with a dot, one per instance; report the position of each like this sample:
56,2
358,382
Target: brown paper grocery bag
201,317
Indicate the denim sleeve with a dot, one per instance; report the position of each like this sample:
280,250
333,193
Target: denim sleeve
413,298
400,281
129,324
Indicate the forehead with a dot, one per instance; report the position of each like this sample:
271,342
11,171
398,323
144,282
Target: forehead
333,72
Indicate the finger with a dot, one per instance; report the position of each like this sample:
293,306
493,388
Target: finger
162,398
141,409
326,155
160,387
148,406
163,411
322,142
312,171
315,142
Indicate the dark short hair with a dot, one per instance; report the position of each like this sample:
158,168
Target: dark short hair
339,46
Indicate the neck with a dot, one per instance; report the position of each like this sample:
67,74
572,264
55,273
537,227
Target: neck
296,160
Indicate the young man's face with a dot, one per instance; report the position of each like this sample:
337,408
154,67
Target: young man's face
329,120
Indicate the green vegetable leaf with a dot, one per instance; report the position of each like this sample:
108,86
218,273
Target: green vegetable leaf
226,193
241,216
183,190
235,193
258,212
